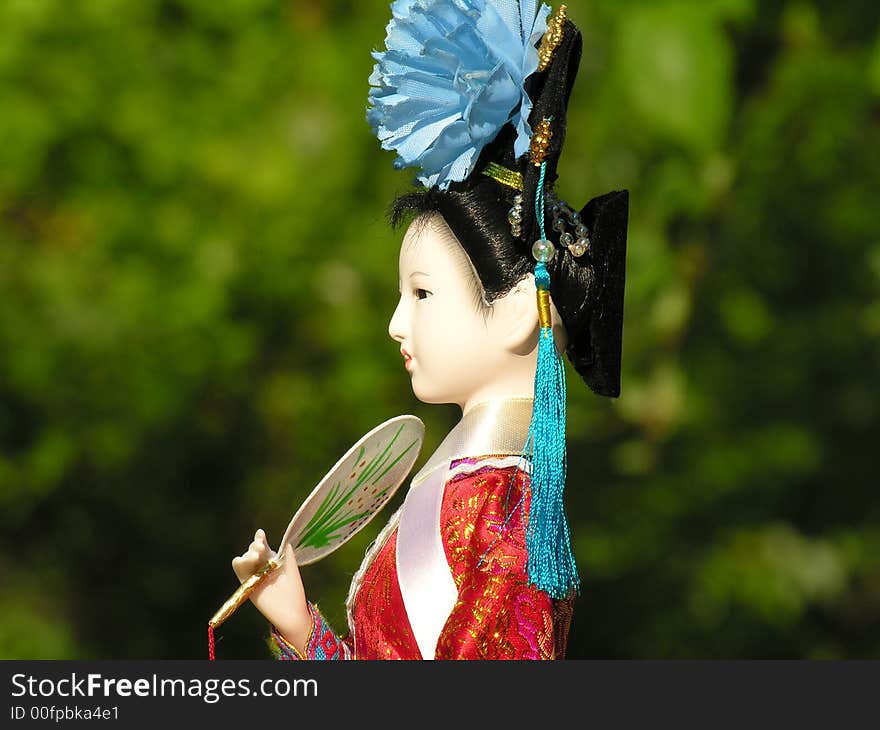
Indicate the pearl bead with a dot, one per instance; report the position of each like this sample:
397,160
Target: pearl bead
566,239
581,231
579,247
543,250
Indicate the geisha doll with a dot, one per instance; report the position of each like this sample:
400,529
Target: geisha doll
477,563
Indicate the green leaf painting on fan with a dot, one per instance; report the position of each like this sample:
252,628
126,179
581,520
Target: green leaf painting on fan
350,502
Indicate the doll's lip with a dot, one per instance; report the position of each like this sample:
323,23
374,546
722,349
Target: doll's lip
407,359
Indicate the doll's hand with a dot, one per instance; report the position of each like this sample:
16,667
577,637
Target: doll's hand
280,597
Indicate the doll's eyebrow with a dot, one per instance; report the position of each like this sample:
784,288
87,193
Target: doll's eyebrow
418,273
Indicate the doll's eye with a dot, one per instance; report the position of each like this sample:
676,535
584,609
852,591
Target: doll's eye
422,293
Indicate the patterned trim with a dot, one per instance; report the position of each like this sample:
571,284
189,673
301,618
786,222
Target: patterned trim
321,643
283,649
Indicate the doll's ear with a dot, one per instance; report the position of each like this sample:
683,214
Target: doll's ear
517,316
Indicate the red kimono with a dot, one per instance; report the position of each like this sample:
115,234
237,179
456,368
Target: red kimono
497,614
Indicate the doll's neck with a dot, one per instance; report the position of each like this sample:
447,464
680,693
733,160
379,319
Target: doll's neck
513,380
514,386
497,427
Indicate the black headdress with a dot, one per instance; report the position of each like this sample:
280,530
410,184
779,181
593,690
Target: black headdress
595,324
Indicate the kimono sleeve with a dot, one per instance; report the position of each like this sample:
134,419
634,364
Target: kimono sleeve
498,614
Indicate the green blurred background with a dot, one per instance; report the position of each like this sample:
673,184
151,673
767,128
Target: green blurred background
196,277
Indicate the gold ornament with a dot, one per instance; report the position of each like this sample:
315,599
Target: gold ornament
540,142
552,38
504,176
544,317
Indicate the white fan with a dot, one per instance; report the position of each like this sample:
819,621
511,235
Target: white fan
347,498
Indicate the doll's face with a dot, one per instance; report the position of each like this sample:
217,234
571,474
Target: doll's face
454,351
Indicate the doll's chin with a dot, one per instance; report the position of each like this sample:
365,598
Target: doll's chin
426,395
448,391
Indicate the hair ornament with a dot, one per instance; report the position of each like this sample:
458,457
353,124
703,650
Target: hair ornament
573,233
504,176
452,76
576,240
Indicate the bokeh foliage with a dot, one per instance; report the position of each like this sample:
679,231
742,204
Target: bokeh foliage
196,277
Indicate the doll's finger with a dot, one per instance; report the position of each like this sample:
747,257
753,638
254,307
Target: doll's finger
259,545
240,561
248,564
251,558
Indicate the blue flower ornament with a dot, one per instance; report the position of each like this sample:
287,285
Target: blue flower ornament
451,77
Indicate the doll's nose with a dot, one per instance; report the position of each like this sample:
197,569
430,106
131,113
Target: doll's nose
397,325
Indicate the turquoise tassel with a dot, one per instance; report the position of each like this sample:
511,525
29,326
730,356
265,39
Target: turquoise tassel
548,541
551,561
